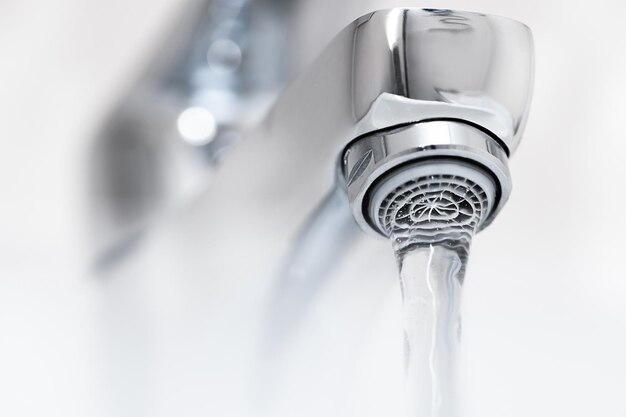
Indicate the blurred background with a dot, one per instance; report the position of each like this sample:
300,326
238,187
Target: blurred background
126,290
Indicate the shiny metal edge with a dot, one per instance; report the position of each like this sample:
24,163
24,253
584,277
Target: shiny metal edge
375,156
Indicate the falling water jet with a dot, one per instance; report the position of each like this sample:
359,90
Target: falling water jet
431,219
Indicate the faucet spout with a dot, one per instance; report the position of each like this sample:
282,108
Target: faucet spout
399,67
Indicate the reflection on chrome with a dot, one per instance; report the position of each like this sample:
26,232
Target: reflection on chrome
197,125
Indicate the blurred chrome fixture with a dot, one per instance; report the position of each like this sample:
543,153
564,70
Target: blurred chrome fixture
402,86
210,80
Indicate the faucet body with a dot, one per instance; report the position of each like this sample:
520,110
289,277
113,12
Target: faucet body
466,78
400,66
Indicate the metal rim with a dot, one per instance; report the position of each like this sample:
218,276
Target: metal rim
376,156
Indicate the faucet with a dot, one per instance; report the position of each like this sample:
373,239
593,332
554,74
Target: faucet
442,83
398,94
403,86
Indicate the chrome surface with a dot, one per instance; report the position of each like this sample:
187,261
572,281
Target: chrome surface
368,159
400,66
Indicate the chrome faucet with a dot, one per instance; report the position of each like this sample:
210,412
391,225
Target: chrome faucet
397,89
402,85
396,93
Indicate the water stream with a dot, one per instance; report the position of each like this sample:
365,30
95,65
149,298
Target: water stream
431,222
